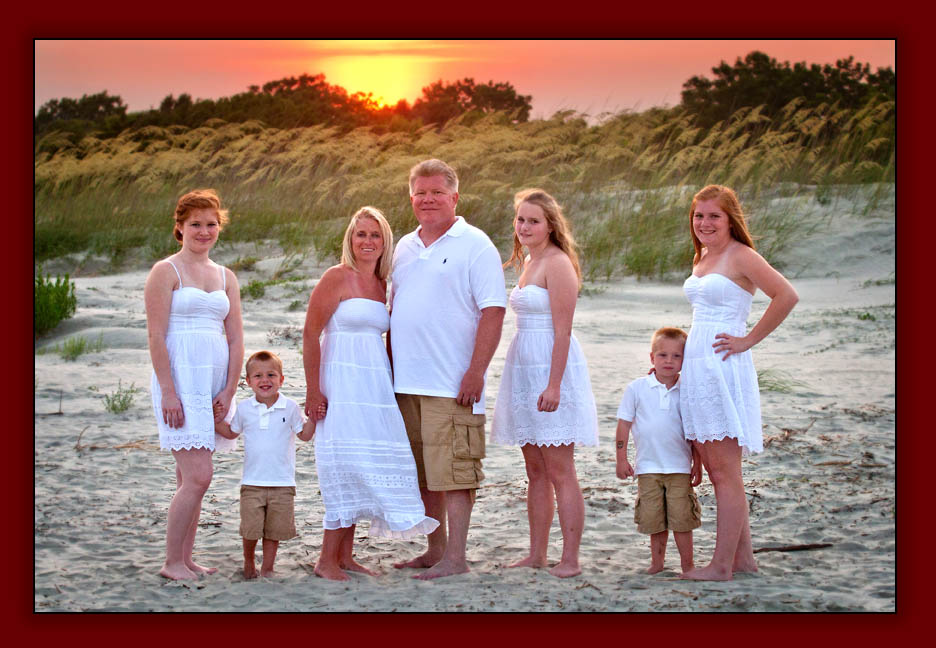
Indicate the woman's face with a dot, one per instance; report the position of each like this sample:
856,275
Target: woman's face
530,225
710,223
367,242
200,230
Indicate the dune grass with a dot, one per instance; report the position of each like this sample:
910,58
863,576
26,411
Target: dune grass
625,182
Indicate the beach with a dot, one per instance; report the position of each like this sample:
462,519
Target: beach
826,476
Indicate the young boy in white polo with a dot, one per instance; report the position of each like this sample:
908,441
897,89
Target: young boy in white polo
667,466
269,422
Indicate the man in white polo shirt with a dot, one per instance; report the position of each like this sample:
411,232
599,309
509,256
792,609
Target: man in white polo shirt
447,308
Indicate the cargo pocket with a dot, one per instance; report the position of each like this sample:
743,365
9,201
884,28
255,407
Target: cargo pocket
637,510
468,436
696,506
463,472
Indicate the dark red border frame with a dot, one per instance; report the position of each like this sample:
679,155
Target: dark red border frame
795,19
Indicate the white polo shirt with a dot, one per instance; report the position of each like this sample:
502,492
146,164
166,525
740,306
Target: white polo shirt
437,294
657,426
269,435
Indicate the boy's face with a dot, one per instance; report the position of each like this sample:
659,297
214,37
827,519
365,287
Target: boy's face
264,379
667,357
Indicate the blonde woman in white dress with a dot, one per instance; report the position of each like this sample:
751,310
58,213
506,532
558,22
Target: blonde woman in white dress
545,403
363,457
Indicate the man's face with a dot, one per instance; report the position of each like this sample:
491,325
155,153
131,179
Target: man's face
433,202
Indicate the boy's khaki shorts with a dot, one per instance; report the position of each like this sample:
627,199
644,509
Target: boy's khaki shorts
267,512
666,502
447,442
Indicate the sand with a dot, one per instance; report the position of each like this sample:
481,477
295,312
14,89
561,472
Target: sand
102,486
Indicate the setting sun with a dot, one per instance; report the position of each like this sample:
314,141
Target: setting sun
389,70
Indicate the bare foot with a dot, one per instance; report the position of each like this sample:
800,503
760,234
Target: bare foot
356,567
708,573
250,571
198,569
566,570
177,572
530,561
267,573
419,562
330,572
655,569
687,567
744,568
442,569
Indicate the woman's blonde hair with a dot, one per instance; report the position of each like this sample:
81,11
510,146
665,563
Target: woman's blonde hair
198,199
560,232
386,258
728,201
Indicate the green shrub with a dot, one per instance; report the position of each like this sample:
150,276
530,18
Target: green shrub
77,346
254,289
54,302
120,400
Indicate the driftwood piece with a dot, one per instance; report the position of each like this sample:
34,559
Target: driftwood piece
796,547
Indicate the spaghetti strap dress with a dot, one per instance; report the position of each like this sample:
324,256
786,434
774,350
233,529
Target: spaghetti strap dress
719,398
198,362
516,420
365,466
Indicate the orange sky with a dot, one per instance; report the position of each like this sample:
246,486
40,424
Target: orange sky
589,76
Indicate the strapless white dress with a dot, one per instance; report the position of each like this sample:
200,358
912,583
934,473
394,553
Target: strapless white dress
526,373
365,466
198,360
719,398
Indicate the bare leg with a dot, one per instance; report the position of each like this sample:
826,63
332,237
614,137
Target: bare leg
193,472
458,506
744,554
190,546
327,565
540,507
560,468
722,460
435,504
346,554
269,557
250,558
657,551
684,544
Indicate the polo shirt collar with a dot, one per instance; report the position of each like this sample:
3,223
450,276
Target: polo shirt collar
457,229
279,404
654,383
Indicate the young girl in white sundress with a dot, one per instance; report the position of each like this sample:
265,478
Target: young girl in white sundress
363,458
193,321
719,396
545,403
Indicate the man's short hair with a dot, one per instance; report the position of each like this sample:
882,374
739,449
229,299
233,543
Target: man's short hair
264,356
433,167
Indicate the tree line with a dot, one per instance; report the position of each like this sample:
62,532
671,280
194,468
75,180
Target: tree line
306,100
290,102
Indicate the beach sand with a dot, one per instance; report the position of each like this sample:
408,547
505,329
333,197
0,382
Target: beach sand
827,475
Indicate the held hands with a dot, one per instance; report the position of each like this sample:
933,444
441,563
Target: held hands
316,405
221,404
173,416
730,344
548,401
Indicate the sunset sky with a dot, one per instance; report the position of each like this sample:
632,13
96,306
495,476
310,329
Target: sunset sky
588,76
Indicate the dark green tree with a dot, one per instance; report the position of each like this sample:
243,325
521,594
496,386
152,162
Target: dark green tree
758,79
